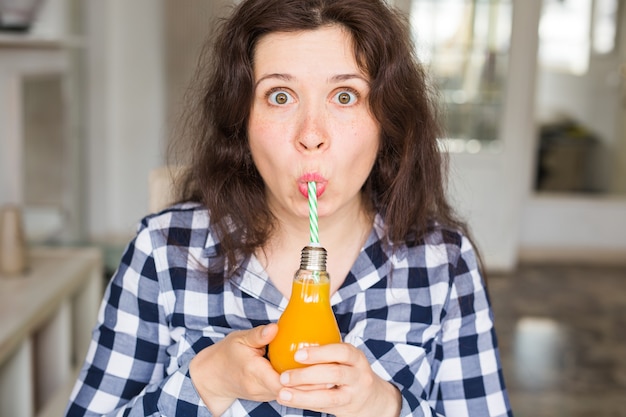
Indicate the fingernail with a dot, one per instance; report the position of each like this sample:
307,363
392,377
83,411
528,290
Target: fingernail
300,355
285,395
264,331
284,378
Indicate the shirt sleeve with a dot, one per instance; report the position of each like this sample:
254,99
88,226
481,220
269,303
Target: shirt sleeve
469,379
124,372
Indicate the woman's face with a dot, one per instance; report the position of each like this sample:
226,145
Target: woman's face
310,121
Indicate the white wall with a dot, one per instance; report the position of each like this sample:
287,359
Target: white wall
574,228
126,111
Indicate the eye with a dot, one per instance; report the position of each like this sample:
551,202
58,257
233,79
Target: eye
279,97
346,97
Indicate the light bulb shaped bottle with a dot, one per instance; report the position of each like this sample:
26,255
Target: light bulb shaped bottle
308,319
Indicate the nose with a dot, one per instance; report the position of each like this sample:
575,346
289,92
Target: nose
313,133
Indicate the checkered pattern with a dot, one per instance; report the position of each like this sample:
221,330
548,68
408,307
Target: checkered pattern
420,314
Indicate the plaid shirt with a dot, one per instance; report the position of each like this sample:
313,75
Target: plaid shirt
427,328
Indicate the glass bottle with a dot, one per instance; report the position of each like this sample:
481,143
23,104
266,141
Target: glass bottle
308,319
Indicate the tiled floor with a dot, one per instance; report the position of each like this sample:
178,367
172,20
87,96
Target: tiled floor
562,334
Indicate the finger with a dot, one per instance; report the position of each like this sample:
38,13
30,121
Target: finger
317,400
343,353
320,375
315,387
260,336
305,379
268,333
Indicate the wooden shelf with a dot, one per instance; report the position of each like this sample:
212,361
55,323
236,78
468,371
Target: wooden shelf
28,59
27,41
46,318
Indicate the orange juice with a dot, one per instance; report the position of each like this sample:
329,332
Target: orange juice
308,320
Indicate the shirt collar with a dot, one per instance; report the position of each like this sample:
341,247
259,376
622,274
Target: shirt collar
372,265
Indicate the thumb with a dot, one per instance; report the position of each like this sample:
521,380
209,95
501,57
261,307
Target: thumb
267,333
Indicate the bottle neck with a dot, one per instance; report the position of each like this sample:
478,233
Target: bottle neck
313,258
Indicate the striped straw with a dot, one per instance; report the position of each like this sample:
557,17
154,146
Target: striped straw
312,191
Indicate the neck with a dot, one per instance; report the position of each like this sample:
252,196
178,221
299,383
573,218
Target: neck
349,229
346,225
342,235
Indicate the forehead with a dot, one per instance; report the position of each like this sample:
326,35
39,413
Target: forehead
329,48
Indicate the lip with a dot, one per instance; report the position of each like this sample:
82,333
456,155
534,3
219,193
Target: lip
312,177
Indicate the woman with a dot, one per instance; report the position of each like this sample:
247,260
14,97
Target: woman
302,90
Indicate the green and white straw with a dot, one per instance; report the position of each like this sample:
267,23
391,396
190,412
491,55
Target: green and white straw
312,191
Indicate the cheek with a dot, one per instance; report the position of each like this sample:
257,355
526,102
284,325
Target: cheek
368,143
267,132
268,157
257,130
261,157
259,138
370,153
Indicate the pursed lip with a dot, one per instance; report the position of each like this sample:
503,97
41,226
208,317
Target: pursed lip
311,177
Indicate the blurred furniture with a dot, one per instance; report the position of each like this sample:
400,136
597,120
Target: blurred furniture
42,120
565,163
161,187
18,15
46,318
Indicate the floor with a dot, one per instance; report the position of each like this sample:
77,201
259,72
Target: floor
562,335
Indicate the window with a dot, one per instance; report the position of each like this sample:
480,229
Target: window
570,30
465,44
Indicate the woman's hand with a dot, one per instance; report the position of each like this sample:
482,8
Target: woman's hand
340,382
235,367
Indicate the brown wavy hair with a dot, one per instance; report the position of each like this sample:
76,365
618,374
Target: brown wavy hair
407,183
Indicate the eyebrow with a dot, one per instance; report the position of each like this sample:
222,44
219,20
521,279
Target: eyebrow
283,77
345,77
334,78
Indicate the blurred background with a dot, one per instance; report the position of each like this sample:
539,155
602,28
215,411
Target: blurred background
534,95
